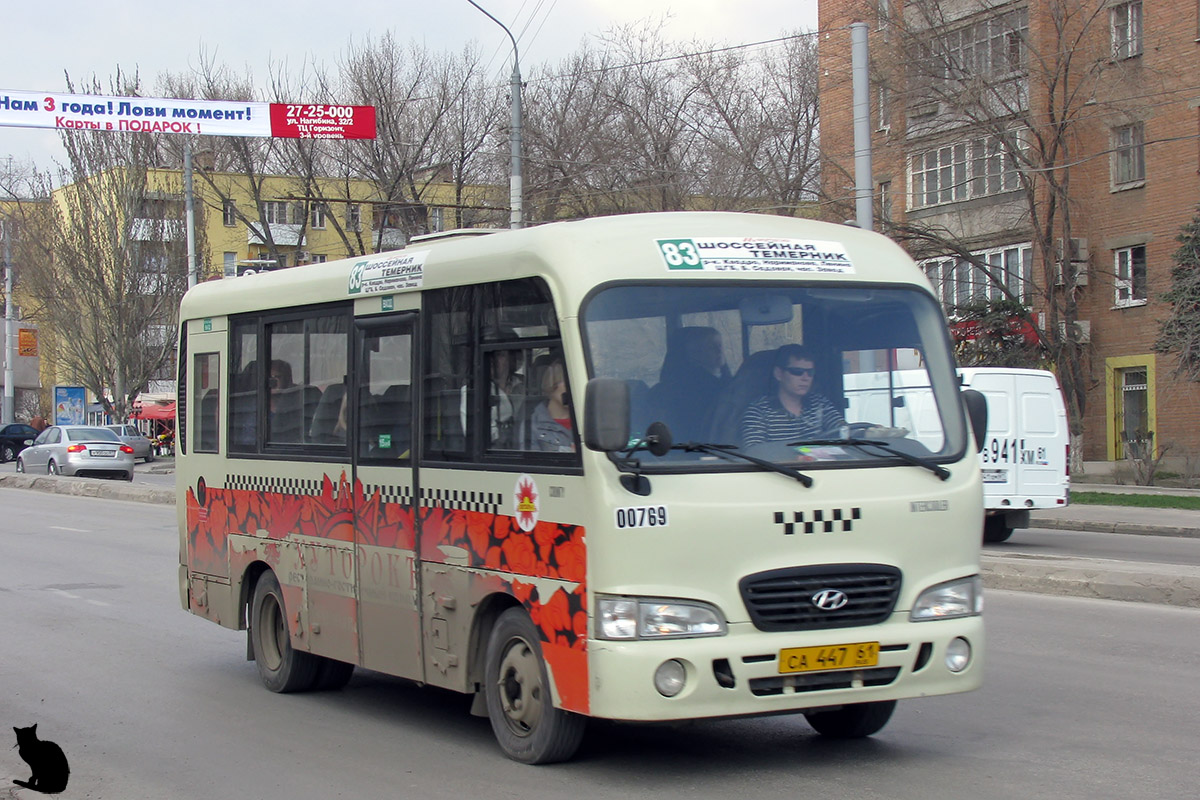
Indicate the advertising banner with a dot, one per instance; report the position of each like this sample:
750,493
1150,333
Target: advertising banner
202,117
70,405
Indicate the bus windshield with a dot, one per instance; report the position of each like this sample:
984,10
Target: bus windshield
802,375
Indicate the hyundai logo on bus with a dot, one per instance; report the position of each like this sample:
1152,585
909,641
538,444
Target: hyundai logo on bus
830,599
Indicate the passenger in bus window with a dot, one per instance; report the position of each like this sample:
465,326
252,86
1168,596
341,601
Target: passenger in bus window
692,376
505,399
793,411
286,404
551,421
242,406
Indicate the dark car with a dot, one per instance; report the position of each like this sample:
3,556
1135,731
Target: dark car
15,438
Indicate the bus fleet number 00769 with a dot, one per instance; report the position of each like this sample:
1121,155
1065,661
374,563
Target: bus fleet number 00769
642,517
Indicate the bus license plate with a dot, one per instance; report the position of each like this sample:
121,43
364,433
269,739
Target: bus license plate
836,656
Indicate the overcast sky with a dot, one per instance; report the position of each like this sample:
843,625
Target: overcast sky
87,39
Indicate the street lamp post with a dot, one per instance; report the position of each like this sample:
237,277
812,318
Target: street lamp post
515,187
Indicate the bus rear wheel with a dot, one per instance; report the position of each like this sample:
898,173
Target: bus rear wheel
855,721
519,701
281,667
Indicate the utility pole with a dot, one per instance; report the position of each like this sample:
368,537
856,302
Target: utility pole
516,189
864,206
190,215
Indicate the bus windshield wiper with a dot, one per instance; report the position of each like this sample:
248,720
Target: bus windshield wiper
887,447
731,451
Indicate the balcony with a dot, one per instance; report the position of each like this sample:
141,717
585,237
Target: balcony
145,229
282,233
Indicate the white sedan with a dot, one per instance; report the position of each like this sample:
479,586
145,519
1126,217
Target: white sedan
78,450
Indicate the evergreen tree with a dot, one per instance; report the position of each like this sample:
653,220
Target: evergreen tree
1180,332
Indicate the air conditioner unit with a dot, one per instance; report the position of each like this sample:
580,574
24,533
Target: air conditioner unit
303,255
1079,256
1083,330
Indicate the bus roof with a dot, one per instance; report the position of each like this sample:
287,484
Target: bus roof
574,257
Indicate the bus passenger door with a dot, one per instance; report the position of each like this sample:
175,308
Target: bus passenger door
385,506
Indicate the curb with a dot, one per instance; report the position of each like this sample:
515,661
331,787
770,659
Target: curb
1113,527
110,490
1104,579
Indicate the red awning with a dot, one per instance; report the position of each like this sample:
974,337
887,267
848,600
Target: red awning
152,410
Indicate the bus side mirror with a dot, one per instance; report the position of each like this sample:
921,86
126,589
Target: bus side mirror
606,415
977,413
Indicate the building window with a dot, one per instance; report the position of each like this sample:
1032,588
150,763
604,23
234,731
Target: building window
1129,155
229,213
885,201
1130,263
995,274
317,216
230,265
961,171
275,212
354,217
319,258
437,220
884,98
1127,29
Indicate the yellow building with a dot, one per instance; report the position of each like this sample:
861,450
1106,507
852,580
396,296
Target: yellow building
279,221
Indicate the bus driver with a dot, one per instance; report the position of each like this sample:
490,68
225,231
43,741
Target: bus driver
793,412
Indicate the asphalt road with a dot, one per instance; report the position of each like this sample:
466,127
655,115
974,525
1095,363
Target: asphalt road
1082,699
1040,542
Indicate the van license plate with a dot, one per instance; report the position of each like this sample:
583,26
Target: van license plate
836,656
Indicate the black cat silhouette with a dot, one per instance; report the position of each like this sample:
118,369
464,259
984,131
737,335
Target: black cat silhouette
46,759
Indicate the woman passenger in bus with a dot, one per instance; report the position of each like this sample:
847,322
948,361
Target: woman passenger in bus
551,421
286,407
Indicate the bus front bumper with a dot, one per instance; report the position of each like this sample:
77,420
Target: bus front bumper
740,674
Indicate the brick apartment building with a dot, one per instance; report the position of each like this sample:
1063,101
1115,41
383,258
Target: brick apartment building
954,86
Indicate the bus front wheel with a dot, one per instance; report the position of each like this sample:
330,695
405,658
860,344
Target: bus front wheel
855,721
520,705
282,668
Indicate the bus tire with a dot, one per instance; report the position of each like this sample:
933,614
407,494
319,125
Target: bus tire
855,721
333,675
282,668
519,700
996,529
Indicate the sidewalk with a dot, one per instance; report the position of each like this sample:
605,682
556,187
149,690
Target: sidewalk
1081,577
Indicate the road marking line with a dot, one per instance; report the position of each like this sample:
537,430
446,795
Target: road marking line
73,530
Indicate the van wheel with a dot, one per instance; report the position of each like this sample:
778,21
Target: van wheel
995,529
282,668
520,706
854,721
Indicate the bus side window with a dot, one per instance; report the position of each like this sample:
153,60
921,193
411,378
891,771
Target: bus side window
206,388
449,347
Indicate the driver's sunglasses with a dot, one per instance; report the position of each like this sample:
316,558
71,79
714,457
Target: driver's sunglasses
800,372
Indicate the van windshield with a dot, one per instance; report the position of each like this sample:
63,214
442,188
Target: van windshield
790,374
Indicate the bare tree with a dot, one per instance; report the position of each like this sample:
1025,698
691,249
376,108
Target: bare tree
1021,91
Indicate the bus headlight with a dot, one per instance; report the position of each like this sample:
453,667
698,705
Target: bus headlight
648,618
958,598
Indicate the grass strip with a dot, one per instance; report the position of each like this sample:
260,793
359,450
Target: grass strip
1135,500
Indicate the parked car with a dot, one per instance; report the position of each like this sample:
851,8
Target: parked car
129,434
78,450
14,438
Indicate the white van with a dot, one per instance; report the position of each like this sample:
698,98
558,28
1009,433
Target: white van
1026,452
1025,456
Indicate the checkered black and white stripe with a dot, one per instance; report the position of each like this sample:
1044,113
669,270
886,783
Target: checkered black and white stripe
402,495
259,483
487,502
819,521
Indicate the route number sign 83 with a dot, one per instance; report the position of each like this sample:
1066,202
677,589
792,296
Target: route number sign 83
680,254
